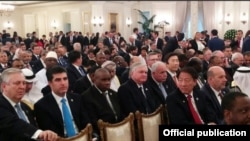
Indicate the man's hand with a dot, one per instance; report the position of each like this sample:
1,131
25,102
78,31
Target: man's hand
48,135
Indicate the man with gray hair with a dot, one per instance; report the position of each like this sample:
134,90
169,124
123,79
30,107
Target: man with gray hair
134,94
16,118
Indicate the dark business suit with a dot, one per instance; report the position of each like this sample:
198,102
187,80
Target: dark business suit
178,110
36,66
132,99
213,102
98,108
81,85
216,44
49,116
12,128
73,75
159,43
171,45
170,83
156,91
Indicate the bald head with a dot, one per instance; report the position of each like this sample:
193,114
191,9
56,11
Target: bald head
216,78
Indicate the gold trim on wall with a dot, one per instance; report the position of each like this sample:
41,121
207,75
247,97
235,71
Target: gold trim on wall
86,22
113,22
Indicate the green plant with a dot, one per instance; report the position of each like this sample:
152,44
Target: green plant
230,34
147,23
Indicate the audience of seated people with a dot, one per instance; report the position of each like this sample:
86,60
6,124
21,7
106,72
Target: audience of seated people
138,73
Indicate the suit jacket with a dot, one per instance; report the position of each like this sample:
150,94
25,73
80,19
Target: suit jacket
98,107
171,45
49,116
216,44
73,75
170,84
156,91
131,98
34,58
106,42
81,85
159,43
213,102
12,128
68,44
36,66
178,110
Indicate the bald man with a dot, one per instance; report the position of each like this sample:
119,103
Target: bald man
214,89
101,101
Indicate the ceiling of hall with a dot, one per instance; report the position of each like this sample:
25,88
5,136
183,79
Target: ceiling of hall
22,3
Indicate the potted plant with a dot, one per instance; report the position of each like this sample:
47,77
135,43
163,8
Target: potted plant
146,24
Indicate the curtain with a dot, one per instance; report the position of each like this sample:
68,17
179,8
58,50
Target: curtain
209,13
180,14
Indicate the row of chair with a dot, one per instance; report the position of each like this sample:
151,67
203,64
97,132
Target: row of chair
147,126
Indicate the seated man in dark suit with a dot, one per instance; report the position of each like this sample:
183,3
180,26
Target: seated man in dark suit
16,118
100,101
83,83
187,105
215,89
60,111
135,94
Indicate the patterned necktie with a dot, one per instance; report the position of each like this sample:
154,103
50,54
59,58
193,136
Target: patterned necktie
20,112
70,130
81,71
195,115
220,95
163,90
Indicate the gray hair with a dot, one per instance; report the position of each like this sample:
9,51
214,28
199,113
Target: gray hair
236,55
155,65
5,76
136,65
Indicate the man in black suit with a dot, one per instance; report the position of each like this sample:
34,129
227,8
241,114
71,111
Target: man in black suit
158,41
157,82
173,63
215,89
74,68
135,94
173,43
100,101
85,82
49,110
187,105
16,118
36,52
28,40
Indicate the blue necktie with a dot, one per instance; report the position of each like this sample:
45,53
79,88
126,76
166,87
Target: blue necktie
82,72
20,112
163,90
70,130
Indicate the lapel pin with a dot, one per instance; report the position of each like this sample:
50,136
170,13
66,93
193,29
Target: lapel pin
197,98
183,101
146,89
71,100
110,93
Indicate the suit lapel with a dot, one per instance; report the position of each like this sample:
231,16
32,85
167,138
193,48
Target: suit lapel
55,111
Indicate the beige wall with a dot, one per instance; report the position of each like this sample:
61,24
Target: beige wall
80,14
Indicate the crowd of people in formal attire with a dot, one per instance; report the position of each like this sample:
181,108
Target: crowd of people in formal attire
54,86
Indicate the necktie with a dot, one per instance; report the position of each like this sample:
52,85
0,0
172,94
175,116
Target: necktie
110,104
81,71
67,119
163,90
195,115
145,101
20,112
220,95
175,80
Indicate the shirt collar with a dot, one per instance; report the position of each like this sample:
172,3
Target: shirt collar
100,90
58,98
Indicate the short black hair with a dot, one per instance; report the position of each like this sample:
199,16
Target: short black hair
166,58
214,32
54,70
92,69
190,71
73,56
228,100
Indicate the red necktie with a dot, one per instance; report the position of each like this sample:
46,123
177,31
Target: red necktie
195,115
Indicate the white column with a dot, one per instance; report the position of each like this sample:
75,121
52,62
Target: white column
194,18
